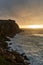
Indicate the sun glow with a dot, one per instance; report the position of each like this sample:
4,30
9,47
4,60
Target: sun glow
32,26
35,26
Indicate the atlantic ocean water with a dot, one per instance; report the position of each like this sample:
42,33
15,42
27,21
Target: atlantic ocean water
30,44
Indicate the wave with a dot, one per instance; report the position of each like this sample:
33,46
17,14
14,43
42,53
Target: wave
32,45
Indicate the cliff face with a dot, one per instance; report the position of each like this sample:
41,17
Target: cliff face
8,27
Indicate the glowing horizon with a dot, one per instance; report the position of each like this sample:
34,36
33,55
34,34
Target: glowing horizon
32,26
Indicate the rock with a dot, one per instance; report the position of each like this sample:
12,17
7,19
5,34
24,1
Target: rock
23,54
14,58
6,39
10,43
8,27
26,62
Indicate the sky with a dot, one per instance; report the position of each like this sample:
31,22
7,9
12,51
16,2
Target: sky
25,12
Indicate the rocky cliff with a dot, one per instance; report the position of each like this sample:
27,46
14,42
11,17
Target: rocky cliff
8,27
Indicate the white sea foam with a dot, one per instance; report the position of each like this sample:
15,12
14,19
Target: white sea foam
31,45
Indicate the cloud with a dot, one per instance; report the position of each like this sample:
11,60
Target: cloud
11,6
21,9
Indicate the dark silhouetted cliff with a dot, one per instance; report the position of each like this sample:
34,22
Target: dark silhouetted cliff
9,27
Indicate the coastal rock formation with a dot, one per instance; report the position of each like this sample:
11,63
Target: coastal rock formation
12,58
8,27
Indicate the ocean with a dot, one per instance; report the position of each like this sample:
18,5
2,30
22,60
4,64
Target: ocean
30,44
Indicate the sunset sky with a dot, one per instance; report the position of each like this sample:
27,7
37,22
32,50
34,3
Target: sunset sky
25,12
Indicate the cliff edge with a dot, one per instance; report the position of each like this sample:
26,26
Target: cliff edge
8,27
